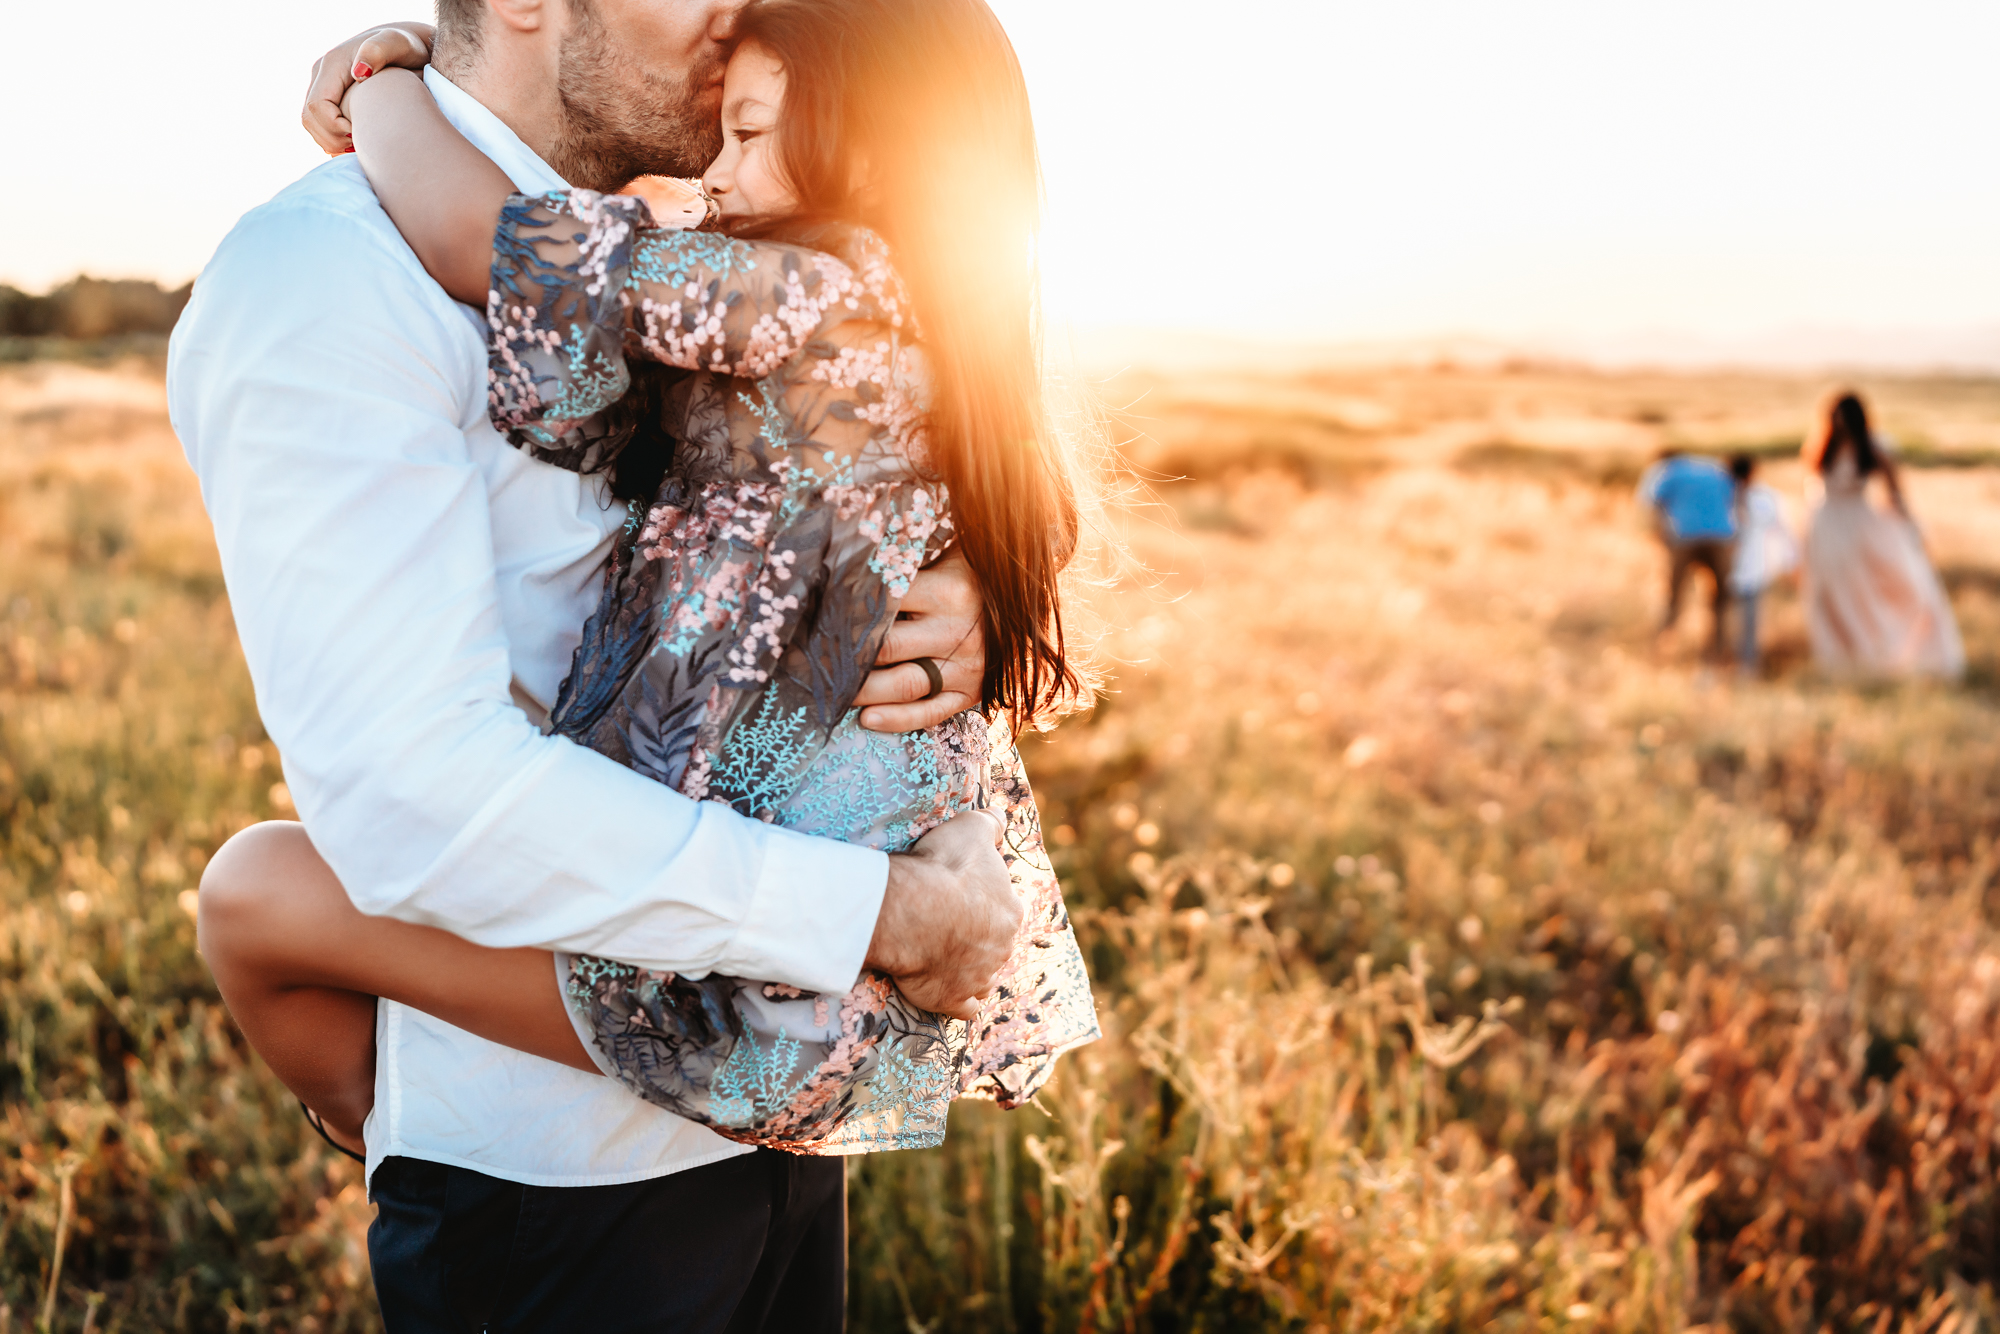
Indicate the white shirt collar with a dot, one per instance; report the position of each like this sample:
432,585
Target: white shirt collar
491,136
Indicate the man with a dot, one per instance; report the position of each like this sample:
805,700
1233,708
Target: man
409,590
1693,505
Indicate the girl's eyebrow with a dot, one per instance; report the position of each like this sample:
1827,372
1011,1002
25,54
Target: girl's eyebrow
736,109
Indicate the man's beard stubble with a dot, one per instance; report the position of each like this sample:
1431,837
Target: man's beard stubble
621,121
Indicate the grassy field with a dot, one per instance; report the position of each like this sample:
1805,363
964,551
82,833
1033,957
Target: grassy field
1470,960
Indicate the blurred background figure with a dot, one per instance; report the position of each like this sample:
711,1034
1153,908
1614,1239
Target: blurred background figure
1765,552
1874,606
1692,502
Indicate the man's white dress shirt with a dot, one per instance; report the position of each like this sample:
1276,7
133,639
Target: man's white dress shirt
408,589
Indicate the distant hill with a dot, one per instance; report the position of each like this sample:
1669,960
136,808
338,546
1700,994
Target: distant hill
1809,350
90,308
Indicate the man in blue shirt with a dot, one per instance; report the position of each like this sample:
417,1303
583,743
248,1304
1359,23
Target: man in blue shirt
1693,504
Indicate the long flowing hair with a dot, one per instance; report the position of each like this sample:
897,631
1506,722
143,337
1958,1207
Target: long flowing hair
911,117
1846,424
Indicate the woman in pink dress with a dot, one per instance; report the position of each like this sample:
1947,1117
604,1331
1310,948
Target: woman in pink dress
1874,606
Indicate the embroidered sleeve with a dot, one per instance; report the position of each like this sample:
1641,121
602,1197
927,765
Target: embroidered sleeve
583,281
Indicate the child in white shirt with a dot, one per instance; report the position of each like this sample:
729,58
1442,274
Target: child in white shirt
1766,551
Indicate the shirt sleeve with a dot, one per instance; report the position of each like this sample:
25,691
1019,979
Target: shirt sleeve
324,390
583,281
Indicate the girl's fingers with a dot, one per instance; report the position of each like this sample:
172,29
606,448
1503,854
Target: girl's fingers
915,717
674,202
321,117
406,46
387,48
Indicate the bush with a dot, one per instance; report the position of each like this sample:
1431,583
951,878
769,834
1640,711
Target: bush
88,308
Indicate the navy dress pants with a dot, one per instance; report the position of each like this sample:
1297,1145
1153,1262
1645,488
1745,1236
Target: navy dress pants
756,1242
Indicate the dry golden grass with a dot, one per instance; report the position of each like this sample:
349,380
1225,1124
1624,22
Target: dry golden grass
1469,961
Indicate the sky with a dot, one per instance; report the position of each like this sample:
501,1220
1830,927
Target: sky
1283,169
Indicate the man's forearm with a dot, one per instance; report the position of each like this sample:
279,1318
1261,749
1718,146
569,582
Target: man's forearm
587,856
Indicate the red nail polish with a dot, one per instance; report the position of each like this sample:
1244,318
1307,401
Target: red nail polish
362,69
350,147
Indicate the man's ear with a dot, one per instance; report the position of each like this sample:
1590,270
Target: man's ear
520,15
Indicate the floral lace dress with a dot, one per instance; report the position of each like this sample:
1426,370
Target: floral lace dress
740,612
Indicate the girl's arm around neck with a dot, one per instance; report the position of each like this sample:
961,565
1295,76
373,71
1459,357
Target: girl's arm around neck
443,194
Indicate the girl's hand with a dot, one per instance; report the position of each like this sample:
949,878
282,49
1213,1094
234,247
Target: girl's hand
677,204
402,45
941,619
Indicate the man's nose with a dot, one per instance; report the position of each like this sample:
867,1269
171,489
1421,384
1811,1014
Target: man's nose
724,19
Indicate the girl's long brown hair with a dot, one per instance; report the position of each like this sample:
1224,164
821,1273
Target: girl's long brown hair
1846,423
911,118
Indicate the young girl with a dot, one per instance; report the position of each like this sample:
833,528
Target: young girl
863,395
1765,552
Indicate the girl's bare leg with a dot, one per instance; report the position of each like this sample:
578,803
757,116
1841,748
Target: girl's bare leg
300,968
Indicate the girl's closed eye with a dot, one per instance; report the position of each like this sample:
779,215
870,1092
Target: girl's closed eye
746,179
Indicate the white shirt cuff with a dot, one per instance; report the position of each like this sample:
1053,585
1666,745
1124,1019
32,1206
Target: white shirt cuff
813,915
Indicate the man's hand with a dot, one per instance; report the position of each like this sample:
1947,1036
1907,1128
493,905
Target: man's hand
941,620
949,918
401,45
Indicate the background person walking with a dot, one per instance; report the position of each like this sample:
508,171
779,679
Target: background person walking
1874,606
1693,505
